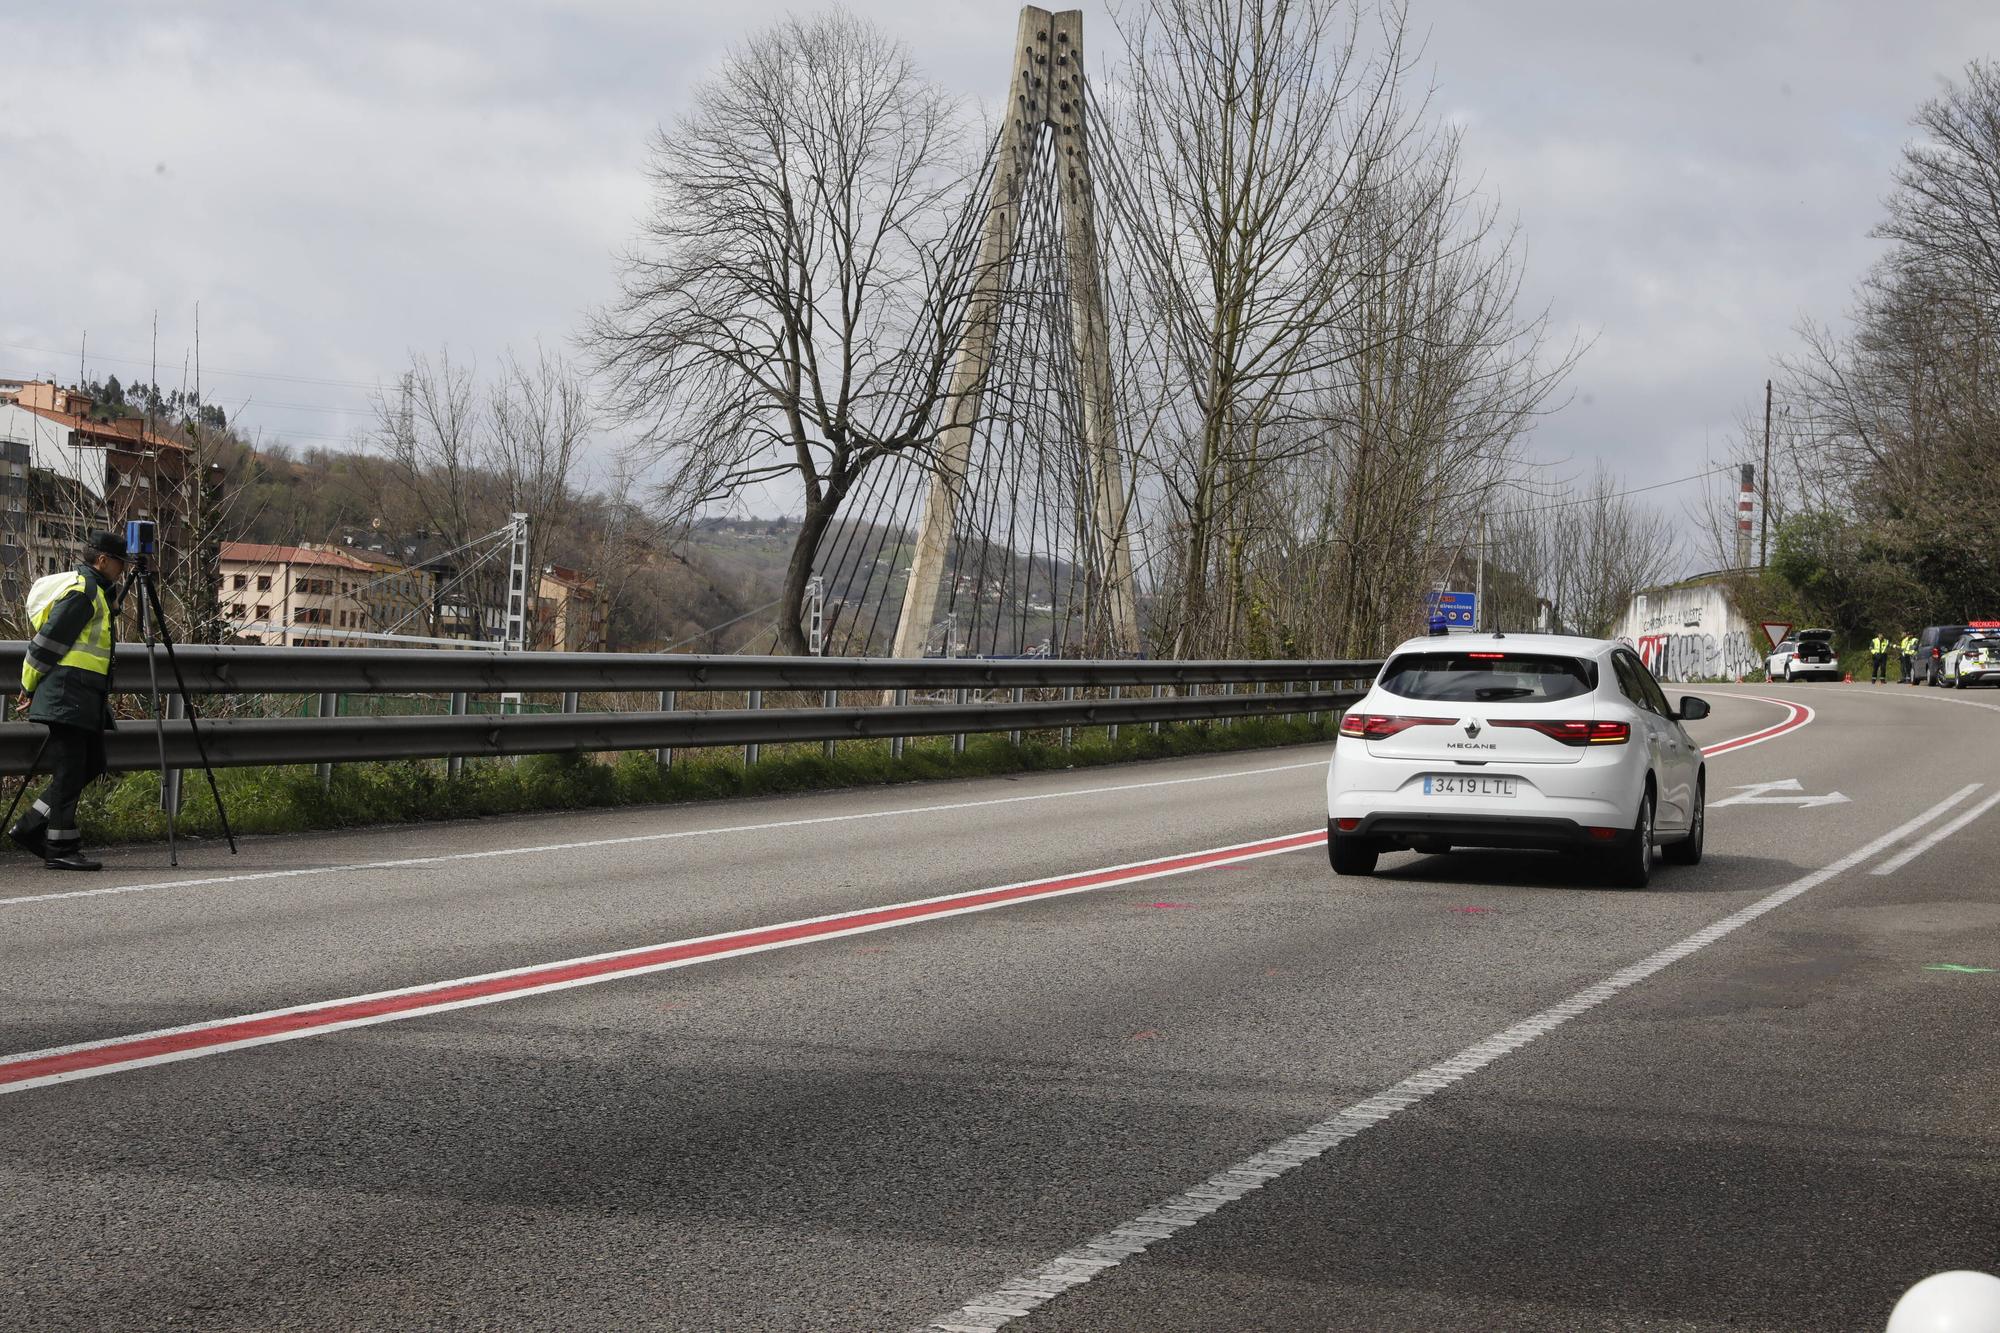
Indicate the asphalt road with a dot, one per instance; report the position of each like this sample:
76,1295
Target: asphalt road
896,1121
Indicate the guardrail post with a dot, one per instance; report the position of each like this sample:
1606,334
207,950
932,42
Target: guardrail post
664,756
896,742
830,699
1068,732
958,738
753,750
1014,736
170,781
454,767
329,706
1159,692
1111,729
1229,692
572,700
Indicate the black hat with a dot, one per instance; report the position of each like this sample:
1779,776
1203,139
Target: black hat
107,543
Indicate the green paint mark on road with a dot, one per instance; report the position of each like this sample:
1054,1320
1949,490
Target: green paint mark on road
1954,967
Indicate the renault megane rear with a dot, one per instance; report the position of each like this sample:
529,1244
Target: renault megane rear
1506,740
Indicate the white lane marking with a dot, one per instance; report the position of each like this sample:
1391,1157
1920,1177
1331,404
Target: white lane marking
545,848
1909,854
141,1050
1100,1254
1759,793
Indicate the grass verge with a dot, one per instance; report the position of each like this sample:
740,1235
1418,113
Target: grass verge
289,799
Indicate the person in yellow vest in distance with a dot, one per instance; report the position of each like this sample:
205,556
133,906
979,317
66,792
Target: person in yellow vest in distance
1878,659
1907,648
66,686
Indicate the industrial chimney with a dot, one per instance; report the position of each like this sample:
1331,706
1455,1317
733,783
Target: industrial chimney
1746,508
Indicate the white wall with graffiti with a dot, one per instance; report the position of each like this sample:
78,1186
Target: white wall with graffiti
1691,632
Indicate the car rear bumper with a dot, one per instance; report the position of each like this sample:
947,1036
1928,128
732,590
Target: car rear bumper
1531,832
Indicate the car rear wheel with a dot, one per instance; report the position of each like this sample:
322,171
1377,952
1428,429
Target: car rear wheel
1631,866
1351,855
1687,852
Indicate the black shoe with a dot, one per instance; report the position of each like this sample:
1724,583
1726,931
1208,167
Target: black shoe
32,842
74,859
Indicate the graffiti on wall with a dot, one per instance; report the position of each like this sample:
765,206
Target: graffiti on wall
1699,656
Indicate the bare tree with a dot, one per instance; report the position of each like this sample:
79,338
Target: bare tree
1584,552
791,315
465,457
541,415
1894,515
1250,129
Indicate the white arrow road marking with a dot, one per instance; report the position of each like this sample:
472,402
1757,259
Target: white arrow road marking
1756,793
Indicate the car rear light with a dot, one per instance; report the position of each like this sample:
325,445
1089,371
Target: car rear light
1486,657
1603,834
1573,733
1347,825
1381,726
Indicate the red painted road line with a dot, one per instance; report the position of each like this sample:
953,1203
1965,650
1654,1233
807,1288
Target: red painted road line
63,1064
37,1068
1798,716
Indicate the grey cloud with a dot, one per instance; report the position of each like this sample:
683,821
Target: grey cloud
346,181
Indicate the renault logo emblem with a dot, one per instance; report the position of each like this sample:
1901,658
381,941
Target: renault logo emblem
1472,730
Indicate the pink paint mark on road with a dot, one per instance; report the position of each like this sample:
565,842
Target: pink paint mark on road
1170,904
1476,911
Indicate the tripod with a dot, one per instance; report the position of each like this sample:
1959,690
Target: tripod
150,625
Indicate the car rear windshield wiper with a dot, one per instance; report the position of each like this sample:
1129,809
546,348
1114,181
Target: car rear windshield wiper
1502,691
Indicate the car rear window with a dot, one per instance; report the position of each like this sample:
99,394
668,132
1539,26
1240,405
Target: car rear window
1488,677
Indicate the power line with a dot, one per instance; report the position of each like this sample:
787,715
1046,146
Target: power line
1619,495
212,370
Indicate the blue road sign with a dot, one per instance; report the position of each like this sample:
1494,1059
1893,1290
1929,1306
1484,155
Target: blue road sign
1459,610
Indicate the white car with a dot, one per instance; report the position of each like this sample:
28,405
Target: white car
1808,656
1973,660
1517,740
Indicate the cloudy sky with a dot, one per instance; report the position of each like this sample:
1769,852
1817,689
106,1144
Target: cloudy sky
339,183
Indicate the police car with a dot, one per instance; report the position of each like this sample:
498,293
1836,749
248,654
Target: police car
1517,740
1974,659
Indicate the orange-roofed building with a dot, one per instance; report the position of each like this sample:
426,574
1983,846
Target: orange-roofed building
572,615
294,596
132,471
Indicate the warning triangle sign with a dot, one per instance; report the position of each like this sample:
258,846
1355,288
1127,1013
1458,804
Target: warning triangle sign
1775,631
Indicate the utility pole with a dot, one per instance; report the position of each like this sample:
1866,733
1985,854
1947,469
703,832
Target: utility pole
1479,578
1764,493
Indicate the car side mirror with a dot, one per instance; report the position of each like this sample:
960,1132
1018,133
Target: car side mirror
1692,709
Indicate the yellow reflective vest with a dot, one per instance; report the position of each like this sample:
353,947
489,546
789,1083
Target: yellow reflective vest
1880,646
92,650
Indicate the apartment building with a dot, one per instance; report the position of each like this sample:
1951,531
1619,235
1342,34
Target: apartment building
571,613
133,471
294,596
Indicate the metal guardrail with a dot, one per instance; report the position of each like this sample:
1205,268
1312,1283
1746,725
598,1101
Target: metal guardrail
255,741
211,670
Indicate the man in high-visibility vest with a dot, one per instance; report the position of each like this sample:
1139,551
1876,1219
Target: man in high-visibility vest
66,686
1908,649
1878,659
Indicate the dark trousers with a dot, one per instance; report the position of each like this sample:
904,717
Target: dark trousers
1878,664
77,756
1906,668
